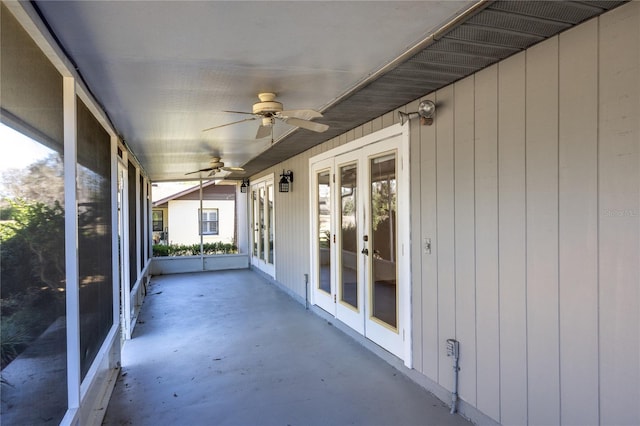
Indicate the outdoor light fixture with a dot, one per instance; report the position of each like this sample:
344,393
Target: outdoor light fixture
426,111
244,186
286,178
404,117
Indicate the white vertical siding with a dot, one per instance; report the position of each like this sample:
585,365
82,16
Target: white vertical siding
528,185
512,241
578,224
350,136
445,239
376,124
542,232
366,128
415,149
619,215
464,235
388,119
428,281
486,242
358,132
546,306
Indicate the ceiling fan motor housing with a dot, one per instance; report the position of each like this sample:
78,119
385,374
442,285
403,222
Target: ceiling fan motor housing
267,105
263,108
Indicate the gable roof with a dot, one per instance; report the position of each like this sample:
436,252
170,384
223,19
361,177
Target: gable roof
210,191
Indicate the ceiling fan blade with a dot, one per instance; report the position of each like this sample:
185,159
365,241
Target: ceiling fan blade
229,124
305,114
305,124
263,131
233,169
201,170
238,112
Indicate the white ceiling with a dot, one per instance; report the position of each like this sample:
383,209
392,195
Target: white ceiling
164,70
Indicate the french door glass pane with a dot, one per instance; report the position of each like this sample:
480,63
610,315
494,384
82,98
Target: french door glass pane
349,235
383,239
256,224
324,228
261,226
131,197
271,221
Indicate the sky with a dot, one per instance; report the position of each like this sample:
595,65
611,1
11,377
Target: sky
19,151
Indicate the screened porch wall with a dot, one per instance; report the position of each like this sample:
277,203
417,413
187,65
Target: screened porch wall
528,185
67,380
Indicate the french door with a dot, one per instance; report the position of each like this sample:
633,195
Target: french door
262,225
123,252
355,243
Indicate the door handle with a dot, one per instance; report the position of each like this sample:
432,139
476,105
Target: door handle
365,251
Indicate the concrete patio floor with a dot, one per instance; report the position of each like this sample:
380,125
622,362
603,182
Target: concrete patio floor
229,348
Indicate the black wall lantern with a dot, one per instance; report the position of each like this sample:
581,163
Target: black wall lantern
286,178
245,186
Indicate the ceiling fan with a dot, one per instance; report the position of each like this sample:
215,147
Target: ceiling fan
217,166
268,110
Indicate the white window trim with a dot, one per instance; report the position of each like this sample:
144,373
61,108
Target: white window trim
202,222
153,221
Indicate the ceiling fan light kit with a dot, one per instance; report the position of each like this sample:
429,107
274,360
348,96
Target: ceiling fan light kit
267,121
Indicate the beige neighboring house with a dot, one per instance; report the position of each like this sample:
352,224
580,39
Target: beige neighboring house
177,219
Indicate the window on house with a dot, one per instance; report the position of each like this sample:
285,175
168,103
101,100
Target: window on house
209,222
157,220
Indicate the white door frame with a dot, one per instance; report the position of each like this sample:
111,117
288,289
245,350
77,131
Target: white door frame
125,285
318,297
404,350
263,264
353,317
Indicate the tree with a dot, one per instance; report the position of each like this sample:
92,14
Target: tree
37,229
41,181
383,201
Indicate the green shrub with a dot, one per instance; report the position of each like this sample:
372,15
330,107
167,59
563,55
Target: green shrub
161,250
32,248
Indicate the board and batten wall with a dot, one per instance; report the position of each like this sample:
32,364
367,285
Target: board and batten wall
528,186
